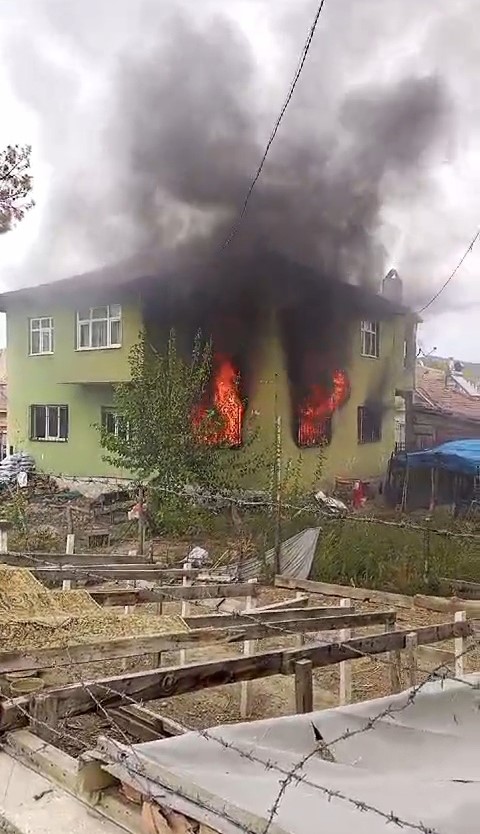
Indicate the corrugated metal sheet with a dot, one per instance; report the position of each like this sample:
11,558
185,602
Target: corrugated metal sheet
296,557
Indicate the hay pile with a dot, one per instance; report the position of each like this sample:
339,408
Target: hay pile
33,617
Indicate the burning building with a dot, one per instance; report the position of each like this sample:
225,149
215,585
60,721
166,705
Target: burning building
328,358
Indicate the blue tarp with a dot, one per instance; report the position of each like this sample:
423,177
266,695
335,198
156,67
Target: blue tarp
462,456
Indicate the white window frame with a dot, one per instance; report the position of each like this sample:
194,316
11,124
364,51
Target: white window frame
109,319
370,332
43,325
110,412
54,438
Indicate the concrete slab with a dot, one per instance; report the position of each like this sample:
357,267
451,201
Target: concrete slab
31,804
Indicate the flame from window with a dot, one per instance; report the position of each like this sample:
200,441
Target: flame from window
318,406
219,416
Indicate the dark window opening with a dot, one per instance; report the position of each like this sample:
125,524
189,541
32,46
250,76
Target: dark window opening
369,425
115,424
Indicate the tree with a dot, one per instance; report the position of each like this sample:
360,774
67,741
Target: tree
15,185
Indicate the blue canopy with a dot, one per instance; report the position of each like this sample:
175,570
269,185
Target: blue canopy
462,456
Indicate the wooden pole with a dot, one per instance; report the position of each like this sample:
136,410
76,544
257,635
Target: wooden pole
248,650
460,617
345,695
303,686
406,478
394,658
141,522
301,637
433,488
185,608
278,490
411,645
5,526
70,546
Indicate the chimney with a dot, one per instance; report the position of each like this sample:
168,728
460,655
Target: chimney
392,287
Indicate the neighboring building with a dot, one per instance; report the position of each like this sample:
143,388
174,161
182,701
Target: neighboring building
69,343
446,406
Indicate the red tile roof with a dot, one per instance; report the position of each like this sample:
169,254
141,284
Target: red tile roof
431,392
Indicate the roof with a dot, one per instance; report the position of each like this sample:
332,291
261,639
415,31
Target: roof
432,393
137,273
461,456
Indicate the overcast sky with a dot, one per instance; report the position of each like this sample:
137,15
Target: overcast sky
57,58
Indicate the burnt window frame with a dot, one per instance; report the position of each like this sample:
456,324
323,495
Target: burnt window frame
326,438
375,434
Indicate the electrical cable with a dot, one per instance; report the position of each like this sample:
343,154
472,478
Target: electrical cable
452,275
274,132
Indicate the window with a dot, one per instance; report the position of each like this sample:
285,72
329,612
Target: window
369,425
41,336
99,327
115,424
370,339
49,422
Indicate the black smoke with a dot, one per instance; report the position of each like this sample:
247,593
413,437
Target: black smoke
163,158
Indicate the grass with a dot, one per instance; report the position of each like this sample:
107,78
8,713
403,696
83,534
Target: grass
393,558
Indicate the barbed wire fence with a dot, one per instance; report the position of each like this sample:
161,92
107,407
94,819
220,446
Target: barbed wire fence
286,777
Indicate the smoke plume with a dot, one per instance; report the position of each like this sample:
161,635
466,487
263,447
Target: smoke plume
153,122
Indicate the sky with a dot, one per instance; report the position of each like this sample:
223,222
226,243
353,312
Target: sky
57,80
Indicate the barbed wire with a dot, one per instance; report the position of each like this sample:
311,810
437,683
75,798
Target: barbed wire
312,507
294,773
291,775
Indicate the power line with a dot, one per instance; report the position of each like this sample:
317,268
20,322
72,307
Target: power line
452,275
298,72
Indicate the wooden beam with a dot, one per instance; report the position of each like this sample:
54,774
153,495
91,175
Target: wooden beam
450,606
295,602
145,724
263,615
164,593
303,686
149,644
326,589
108,572
78,698
466,590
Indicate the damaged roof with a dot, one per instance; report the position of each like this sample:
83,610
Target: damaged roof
142,273
435,394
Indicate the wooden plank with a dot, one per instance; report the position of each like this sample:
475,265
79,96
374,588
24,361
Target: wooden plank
28,558
296,602
303,686
438,657
463,588
107,572
145,724
471,607
375,644
412,660
326,589
168,592
148,644
78,698
264,616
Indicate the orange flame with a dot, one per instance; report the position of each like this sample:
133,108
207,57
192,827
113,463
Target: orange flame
318,407
225,404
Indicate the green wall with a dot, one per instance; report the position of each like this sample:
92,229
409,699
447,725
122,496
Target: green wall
80,379
83,381
344,457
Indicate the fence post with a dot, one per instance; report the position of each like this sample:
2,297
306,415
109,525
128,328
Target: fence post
303,686
394,658
248,649
70,545
460,617
301,637
185,608
4,528
411,645
346,666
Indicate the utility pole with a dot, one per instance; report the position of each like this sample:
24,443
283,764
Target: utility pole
278,483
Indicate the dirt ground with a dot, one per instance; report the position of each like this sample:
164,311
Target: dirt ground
269,697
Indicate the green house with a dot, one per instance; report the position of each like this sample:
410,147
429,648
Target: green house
288,335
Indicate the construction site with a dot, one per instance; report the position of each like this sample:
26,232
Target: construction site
116,665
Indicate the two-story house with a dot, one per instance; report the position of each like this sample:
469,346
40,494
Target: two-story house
329,359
